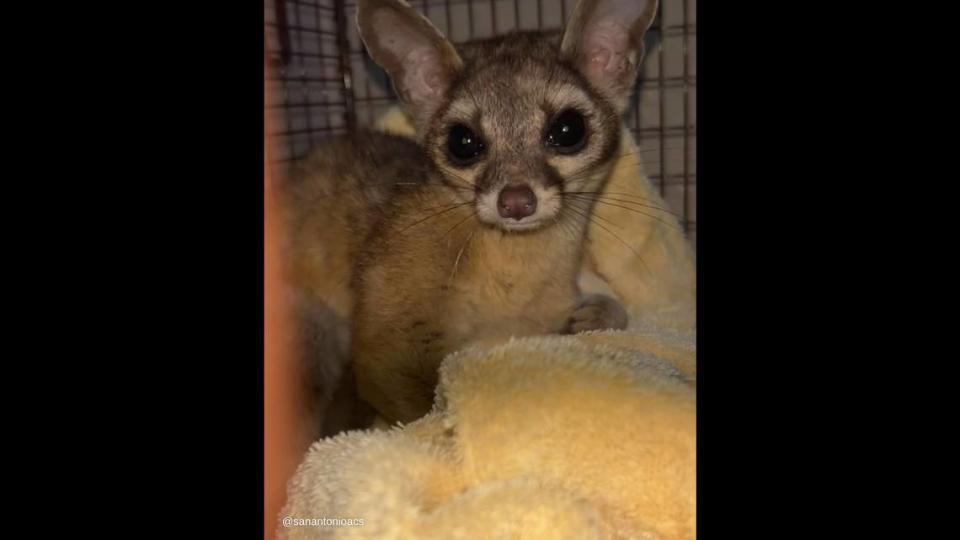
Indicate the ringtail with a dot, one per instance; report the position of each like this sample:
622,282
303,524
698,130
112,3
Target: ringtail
473,232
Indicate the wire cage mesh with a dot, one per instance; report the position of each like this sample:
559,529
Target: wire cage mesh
321,81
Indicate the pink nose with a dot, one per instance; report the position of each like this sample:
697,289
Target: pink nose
516,202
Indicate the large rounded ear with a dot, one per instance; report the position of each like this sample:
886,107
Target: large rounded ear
420,61
604,39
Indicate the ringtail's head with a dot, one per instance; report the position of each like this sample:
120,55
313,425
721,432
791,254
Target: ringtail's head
514,123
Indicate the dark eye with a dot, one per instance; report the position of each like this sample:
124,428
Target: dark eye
567,133
464,145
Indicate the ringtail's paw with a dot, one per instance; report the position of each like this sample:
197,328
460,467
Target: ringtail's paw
597,312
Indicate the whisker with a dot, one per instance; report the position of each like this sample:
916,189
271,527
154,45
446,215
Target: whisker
451,207
422,209
463,182
472,214
597,216
604,193
668,224
628,246
637,195
456,263
651,206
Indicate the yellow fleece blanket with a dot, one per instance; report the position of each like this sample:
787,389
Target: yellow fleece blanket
555,437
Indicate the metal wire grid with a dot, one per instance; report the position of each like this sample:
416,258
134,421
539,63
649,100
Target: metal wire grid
323,83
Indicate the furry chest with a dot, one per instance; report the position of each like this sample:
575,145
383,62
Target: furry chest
504,303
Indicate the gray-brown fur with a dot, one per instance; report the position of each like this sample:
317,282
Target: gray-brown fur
413,248
333,199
